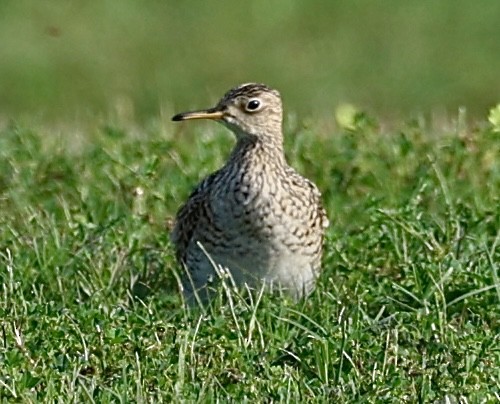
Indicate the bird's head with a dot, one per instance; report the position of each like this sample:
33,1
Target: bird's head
249,110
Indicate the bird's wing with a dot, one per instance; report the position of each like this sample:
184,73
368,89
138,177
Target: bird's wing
189,215
311,196
319,203
316,203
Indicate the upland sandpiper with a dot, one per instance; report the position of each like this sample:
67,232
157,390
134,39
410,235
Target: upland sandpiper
255,219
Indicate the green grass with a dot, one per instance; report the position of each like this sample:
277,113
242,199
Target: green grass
408,305
407,308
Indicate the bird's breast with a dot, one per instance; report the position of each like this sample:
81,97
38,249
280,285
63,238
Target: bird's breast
248,191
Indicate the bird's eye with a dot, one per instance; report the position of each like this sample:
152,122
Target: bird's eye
253,105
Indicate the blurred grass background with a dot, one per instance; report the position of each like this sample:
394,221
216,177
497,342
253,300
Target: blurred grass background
74,59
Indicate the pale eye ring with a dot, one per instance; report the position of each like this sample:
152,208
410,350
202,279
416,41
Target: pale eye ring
253,105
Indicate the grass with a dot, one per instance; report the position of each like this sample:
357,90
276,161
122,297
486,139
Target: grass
407,308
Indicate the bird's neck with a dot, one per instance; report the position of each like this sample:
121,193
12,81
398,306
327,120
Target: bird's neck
259,149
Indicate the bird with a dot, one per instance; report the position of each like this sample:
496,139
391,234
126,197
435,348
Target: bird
255,220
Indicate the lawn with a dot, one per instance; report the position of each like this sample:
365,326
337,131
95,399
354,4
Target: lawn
92,172
407,307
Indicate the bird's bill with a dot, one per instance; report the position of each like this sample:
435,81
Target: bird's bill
203,114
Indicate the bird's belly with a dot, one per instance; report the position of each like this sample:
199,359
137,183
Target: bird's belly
292,271
252,255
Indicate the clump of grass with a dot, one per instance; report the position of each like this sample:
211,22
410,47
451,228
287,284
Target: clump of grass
406,308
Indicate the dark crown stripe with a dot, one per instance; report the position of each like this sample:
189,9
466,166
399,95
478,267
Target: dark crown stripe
248,90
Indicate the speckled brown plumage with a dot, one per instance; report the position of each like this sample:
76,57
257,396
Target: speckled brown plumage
256,218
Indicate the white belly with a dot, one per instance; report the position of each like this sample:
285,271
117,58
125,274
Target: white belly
252,262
